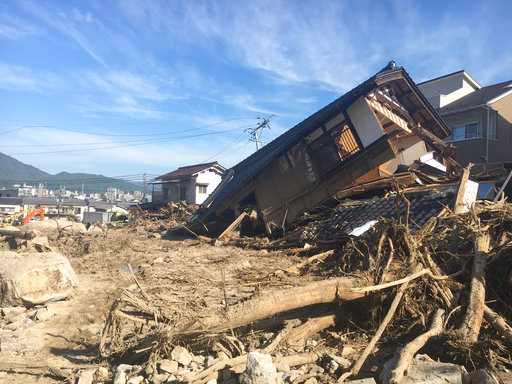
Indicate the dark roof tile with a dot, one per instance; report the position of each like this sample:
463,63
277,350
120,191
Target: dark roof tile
189,170
348,217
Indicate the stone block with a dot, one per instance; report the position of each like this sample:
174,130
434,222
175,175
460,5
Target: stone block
34,278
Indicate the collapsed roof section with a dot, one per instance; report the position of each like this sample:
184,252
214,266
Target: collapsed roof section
363,136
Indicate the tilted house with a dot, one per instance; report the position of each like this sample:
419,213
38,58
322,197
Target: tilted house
479,118
192,183
362,136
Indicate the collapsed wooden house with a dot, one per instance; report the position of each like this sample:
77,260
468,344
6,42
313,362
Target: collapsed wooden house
372,133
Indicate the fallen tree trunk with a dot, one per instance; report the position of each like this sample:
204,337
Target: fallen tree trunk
310,327
475,312
498,323
18,234
273,303
406,355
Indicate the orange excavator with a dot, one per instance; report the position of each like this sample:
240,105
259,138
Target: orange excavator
32,213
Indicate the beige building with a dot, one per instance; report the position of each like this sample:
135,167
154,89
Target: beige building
479,118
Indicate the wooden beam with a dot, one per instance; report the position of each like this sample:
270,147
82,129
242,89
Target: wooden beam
233,225
459,206
502,188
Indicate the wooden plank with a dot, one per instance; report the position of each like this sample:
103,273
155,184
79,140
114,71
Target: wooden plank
458,206
502,188
233,225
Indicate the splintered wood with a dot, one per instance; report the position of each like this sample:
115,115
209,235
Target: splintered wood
417,288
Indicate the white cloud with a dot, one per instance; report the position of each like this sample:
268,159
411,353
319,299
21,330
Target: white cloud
12,27
64,25
139,86
21,78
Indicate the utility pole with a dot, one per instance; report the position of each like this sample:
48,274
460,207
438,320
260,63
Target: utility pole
254,131
144,197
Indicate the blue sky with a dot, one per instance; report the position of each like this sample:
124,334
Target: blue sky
124,87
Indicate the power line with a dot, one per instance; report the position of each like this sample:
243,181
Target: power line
254,131
138,143
124,124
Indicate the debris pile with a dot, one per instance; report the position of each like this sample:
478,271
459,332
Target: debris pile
162,217
403,286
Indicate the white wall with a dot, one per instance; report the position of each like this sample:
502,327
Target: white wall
207,177
446,90
365,122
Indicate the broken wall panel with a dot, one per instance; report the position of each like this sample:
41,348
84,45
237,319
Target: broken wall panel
287,210
366,124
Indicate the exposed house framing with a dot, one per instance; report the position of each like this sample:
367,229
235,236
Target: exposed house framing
363,136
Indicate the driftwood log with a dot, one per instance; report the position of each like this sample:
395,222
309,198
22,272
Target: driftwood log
273,303
406,355
475,312
498,323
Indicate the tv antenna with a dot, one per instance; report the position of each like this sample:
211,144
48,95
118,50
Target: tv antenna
254,131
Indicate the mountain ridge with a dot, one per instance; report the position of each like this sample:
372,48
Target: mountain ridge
13,171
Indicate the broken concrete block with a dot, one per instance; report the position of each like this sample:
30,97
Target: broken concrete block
121,372
135,380
35,278
181,355
40,243
425,370
281,366
259,370
168,366
292,375
341,361
11,314
86,377
42,314
369,380
102,374
159,378
316,370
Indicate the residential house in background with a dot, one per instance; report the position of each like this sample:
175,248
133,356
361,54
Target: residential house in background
74,209
479,118
192,183
9,192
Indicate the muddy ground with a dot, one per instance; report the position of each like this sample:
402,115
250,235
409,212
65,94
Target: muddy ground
187,272
189,275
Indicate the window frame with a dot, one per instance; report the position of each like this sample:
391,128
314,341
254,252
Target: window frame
478,134
200,187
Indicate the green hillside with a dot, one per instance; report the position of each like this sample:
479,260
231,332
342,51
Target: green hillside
13,171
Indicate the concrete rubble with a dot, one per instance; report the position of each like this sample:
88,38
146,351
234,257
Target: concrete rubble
259,370
54,225
34,278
